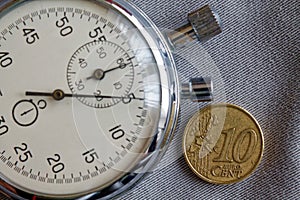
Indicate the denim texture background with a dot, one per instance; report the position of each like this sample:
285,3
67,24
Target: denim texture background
258,57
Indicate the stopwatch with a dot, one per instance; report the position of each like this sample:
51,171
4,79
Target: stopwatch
89,95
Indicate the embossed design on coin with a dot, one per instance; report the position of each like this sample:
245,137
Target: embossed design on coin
223,144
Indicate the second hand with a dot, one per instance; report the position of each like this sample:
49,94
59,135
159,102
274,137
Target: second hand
60,95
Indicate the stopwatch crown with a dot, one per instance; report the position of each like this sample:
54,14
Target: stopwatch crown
204,24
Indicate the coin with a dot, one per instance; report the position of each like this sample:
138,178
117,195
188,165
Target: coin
223,144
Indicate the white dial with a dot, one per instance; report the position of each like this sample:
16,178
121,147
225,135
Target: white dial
80,95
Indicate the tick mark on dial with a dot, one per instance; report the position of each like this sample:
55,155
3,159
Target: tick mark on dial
88,50
116,49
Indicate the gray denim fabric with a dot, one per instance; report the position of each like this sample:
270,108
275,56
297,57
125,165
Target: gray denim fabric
258,57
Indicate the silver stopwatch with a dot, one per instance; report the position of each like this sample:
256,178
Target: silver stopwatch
89,95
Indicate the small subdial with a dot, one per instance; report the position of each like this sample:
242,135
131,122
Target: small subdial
103,69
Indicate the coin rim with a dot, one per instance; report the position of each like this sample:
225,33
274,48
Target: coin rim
247,175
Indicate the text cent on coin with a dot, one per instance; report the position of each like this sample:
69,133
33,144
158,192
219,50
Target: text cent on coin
223,144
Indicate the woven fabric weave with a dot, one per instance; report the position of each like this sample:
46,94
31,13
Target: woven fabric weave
258,58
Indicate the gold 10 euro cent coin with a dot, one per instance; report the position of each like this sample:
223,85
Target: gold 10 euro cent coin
223,144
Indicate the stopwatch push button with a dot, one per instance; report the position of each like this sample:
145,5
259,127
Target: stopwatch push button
198,89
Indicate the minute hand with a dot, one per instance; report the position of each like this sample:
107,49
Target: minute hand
60,95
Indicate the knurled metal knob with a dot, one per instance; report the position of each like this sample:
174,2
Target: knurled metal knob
203,25
198,89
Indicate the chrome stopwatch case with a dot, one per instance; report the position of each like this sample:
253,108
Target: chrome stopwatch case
89,95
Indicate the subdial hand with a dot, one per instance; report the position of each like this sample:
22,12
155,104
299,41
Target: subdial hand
60,95
99,74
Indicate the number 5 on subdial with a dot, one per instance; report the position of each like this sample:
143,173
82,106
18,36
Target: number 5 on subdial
98,95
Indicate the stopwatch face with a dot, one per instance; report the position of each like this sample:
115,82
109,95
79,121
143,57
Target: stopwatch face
81,95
